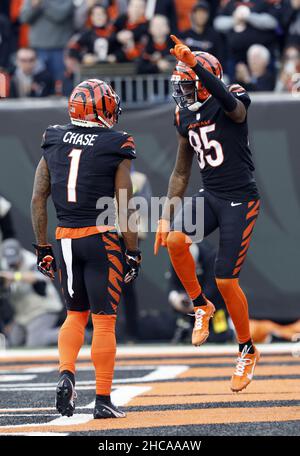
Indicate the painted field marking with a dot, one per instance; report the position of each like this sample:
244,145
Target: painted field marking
120,396
149,349
17,377
157,373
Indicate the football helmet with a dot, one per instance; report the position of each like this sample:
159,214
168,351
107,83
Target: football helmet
94,103
188,91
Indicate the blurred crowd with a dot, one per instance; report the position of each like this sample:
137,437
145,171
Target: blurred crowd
43,42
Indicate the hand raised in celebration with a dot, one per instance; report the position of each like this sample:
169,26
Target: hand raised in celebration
182,52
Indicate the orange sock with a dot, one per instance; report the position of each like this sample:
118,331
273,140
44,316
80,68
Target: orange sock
71,338
104,351
178,245
237,306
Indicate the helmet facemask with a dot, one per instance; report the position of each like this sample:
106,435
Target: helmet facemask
110,119
184,93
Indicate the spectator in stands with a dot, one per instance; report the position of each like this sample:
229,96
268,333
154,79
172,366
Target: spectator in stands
183,12
253,22
20,30
130,31
71,69
291,22
202,36
7,229
156,56
165,8
5,41
288,80
30,78
51,26
34,298
141,189
7,233
256,77
92,44
4,7
83,7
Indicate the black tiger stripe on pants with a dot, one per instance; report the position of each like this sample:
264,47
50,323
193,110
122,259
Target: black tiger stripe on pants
92,273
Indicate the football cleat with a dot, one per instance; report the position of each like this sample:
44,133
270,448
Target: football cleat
106,409
65,396
201,326
244,370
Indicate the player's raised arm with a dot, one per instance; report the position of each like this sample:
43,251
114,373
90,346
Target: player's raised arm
234,108
128,219
177,186
41,191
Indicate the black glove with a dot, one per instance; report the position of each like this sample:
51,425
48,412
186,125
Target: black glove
133,259
46,263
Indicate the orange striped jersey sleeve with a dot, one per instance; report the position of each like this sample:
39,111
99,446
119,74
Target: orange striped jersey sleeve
127,146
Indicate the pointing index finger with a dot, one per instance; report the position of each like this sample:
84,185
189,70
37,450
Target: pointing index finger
175,39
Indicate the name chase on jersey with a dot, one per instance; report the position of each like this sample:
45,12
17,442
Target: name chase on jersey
79,139
82,169
222,148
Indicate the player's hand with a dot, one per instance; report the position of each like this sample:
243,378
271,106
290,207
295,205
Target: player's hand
133,259
182,52
46,263
162,232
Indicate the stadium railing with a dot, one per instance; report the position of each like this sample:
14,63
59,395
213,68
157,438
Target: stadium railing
135,90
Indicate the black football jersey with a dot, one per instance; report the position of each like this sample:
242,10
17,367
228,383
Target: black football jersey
222,148
82,163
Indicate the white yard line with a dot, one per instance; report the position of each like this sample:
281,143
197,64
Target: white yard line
163,349
121,396
38,434
156,373
90,367
16,377
27,414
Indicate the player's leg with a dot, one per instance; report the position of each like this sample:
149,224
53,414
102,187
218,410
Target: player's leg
71,334
236,226
103,276
178,244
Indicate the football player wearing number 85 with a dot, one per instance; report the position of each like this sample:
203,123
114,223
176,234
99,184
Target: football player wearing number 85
211,121
83,161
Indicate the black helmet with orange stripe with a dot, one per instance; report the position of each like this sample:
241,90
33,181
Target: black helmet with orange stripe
94,103
188,91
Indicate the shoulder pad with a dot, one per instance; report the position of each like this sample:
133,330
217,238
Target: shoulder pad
50,135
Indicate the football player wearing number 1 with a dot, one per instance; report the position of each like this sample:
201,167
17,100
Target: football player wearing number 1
82,162
211,120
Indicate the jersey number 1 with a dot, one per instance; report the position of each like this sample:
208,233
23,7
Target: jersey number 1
75,155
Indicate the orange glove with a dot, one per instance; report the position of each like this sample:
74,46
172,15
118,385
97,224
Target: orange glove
162,232
183,52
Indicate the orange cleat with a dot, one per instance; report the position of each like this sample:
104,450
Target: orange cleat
244,370
201,326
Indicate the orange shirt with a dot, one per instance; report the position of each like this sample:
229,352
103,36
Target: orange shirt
15,9
183,10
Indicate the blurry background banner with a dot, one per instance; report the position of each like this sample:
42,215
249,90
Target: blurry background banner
270,277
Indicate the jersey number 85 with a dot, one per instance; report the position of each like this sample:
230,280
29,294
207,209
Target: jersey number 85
202,146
